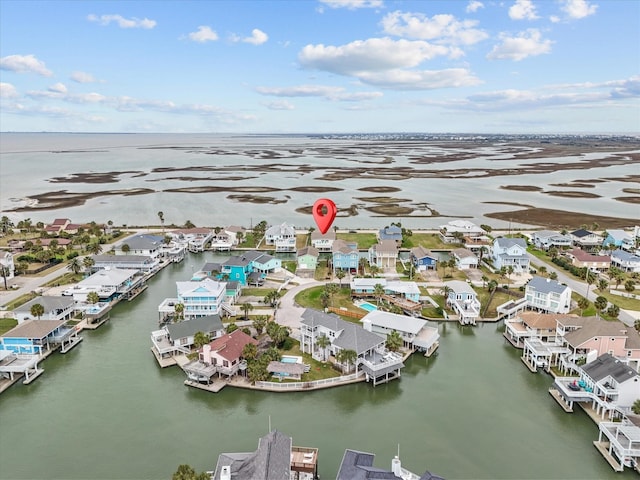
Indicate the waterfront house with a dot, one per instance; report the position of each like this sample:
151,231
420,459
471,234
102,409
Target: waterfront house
528,324
373,359
582,259
201,299
227,238
423,259
275,459
456,230
262,262
142,263
110,284
143,244
463,299
179,337
357,465
282,237
55,308
586,240
625,261
307,258
236,268
7,265
393,233
345,256
465,258
323,241
39,337
510,252
195,238
617,238
547,295
225,353
384,254
415,333
546,239
365,287
619,442
14,365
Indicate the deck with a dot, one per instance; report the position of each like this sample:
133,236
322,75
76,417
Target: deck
558,398
603,448
214,386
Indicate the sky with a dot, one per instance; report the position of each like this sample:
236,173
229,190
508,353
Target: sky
321,66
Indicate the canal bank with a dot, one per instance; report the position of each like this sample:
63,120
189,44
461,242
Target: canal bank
107,411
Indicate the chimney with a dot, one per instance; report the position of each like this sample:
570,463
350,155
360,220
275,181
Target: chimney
225,473
396,466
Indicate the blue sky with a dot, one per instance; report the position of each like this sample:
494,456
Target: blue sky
318,66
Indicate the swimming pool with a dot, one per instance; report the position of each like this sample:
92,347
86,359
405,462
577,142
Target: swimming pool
291,359
368,306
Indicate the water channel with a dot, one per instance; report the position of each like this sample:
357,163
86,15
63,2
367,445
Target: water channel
107,411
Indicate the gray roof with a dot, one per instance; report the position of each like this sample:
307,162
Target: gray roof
271,461
189,328
211,267
237,261
581,233
595,327
606,365
352,336
50,303
258,257
312,251
623,256
546,285
421,252
122,258
343,247
357,465
144,242
505,242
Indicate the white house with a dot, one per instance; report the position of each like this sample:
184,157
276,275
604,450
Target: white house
55,308
143,263
144,244
464,301
510,252
108,283
201,299
545,239
283,237
467,228
625,261
7,265
549,296
384,254
414,332
465,258
323,241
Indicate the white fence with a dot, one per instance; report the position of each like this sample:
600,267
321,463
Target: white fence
310,385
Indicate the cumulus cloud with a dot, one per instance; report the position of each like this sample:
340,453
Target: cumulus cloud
58,88
329,93
83,77
122,22
203,35
258,37
421,80
578,8
526,44
352,4
279,105
474,6
25,64
444,29
7,90
523,10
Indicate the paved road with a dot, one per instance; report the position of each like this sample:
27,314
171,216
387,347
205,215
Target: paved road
288,313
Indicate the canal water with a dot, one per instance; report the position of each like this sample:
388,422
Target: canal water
107,411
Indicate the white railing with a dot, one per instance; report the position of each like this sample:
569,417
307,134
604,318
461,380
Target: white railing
309,385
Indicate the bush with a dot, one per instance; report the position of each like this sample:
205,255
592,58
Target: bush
72,255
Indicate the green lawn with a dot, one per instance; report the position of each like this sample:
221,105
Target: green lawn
364,240
310,298
319,370
21,300
256,292
427,240
7,324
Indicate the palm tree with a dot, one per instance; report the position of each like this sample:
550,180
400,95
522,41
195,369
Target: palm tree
331,289
485,279
635,408
125,248
187,472
613,311
37,310
250,352
279,334
362,264
394,341
542,270
374,269
5,273
161,217
178,308
340,274
259,323
583,303
322,342
590,278
88,262
75,265
378,292
246,308
200,339
630,286
5,224
346,358
553,275
94,248
93,298
232,327
509,273
602,284
600,303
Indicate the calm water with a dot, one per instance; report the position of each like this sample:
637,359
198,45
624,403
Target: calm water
40,163
107,411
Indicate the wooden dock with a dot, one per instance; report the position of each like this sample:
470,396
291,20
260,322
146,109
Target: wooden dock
216,385
558,398
603,448
163,362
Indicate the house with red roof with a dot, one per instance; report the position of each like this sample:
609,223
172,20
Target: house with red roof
581,259
225,353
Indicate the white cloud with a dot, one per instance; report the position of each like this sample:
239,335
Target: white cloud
445,29
352,4
330,93
58,88
578,8
523,10
25,64
474,6
554,19
421,80
7,90
258,37
204,34
122,22
526,44
279,105
83,77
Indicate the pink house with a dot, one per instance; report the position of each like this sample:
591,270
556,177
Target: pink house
225,353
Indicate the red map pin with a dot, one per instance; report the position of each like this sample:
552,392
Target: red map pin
324,213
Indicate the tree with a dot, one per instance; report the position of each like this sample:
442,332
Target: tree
232,327
486,228
362,265
94,248
636,325
340,274
322,342
186,472
259,323
378,292
589,277
272,298
553,276
394,341
246,308
331,289
278,334
346,358
602,284
492,286
93,298
600,303
613,311
161,217
37,310
189,224
374,269
88,262
6,224
178,308
250,352
630,286
635,408
542,270
125,248
583,303
200,339
485,279
75,265
509,273
553,252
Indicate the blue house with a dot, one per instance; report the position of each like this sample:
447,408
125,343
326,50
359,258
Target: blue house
423,259
616,238
391,233
345,255
236,269
35,337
